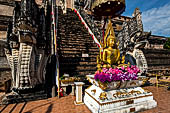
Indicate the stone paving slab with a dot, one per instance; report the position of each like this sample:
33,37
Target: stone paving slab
66,104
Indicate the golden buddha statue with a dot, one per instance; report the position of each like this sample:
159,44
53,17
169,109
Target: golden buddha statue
111,55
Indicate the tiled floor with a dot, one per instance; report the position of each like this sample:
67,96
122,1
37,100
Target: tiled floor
66,104
162,96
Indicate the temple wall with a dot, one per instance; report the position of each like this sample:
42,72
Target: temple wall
6,12
158,60
154,46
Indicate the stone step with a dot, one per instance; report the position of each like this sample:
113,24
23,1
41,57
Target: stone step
77,59
82,73
157,57
82,42
7,2
75,43
3,28
91,46
19,97
78,66
89,58
93,58
75,30
80,63
77,51
4,18
94,46
77,40
84,67
80,49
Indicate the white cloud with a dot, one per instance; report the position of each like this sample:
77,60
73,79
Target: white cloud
157,20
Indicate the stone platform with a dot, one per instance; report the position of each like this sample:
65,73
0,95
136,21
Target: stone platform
118,101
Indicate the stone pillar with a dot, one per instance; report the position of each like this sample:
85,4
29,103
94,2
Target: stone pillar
72,93
72,3
79,97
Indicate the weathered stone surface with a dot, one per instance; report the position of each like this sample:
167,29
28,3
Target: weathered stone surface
3,62
3,35
5,73
6,10
158,60
7,2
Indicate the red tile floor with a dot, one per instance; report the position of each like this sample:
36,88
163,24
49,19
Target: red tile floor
66,104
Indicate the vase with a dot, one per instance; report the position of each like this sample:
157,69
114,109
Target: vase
118,85
114,85
109,86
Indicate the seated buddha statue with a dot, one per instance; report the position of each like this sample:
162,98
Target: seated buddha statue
111,54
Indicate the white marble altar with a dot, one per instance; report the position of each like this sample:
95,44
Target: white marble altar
118,101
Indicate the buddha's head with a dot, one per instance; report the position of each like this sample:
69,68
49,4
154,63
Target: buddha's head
111,41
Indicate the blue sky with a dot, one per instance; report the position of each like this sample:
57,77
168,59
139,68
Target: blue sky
155,15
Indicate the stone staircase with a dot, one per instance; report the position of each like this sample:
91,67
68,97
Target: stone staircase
94,25
77,51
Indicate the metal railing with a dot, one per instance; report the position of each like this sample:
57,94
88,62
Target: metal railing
89,22
87,27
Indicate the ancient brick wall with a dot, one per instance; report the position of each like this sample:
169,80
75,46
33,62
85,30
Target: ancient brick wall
158,60
6,11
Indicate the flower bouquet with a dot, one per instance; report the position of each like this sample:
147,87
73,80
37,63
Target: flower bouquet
115,78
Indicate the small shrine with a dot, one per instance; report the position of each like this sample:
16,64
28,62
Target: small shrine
116,84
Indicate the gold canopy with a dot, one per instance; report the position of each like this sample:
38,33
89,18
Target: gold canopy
108,7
